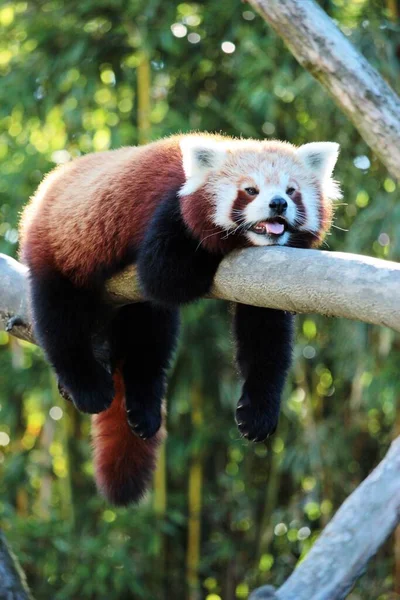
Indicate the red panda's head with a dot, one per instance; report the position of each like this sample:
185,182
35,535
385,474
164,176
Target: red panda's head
260,192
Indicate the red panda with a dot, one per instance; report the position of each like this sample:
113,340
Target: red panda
174,207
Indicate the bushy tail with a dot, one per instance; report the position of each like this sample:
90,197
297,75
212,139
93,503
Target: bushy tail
124,463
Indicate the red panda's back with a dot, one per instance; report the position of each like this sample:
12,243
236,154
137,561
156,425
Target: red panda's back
88,212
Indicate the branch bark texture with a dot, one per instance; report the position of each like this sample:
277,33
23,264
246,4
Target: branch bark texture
353,536
13,584
321,48
304,281
14,311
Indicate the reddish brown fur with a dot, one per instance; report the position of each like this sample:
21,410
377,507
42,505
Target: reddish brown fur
88,212
242,200
197,211
298,200
123,461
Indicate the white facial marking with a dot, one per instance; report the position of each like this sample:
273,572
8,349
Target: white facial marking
224,194
200,156
320,158
311,203
227,167
259,209
267,240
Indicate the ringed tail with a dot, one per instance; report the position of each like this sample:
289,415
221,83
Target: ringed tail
124,463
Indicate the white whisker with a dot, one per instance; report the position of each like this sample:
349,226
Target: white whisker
340,228
206,238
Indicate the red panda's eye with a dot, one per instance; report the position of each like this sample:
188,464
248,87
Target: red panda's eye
290,191
251,191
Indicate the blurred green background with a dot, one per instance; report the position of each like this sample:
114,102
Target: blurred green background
224,515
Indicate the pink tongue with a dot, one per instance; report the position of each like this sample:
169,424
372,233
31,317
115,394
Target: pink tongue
275,228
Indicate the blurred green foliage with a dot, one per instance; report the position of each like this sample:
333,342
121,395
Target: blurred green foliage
69,86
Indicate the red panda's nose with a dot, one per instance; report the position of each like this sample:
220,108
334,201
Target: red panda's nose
278,205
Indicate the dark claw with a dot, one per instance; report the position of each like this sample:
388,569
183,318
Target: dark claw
94,394
254,420
144,423
63,392
15,322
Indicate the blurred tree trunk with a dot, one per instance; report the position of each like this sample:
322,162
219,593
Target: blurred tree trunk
143,105
64,483
73,432
265,532
396,544
195,490
397,560
46,481
393,8
17,361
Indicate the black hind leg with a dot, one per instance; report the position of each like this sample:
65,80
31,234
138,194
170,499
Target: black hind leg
65,319
143,339
264,339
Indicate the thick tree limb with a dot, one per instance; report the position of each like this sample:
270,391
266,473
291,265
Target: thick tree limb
354,535
321,48
13,584
14,312
310,281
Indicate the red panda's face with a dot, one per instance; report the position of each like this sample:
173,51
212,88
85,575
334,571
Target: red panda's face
270,192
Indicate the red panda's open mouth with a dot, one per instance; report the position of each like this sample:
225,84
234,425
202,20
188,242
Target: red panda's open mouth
275,227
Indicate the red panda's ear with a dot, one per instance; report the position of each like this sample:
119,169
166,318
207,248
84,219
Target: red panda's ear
320,157
200,155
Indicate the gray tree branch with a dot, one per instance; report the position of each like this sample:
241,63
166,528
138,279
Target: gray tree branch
14,310
353,536
303,281
13,584
322,49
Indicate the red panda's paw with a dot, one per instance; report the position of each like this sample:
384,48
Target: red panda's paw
144,421
255,422
90,394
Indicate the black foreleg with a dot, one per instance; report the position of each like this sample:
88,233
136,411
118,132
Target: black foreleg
173,267
143,340
264,339
65,319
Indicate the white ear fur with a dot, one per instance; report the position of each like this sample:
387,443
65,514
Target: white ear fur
200,155
320,157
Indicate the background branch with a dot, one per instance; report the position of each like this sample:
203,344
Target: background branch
352,537
359,90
